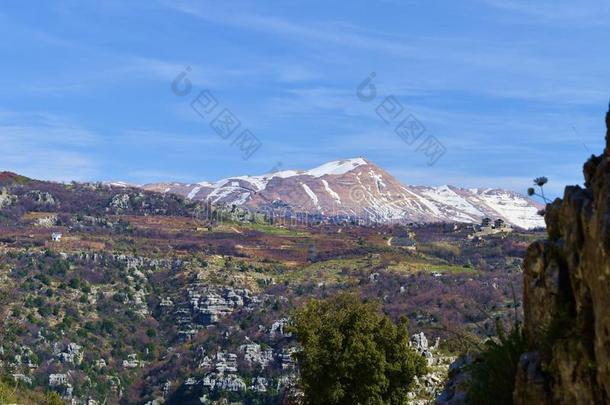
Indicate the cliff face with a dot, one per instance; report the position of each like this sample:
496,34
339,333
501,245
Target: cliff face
567,297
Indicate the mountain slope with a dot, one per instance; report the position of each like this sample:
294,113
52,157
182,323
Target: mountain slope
358,188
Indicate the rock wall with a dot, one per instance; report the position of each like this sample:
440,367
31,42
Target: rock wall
567,297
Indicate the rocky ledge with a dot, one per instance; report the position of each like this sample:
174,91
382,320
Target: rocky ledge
567,297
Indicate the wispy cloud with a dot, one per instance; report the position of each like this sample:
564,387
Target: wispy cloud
588,12
334,32
46,146
502,67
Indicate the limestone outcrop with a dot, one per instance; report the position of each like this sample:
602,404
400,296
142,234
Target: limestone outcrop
567,297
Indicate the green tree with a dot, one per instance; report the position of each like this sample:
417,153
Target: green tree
353,354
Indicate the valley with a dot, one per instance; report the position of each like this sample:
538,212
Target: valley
113,294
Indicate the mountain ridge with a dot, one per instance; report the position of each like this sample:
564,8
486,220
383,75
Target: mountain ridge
357,187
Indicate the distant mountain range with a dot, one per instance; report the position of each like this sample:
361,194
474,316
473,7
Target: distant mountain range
359,188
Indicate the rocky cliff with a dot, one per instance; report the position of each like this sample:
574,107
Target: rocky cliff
567,297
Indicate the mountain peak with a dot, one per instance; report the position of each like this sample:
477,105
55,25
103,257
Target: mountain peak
356,187
337,167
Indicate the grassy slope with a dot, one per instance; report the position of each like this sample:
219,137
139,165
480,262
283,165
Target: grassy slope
11,393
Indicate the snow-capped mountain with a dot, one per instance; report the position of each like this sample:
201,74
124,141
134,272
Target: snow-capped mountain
358,188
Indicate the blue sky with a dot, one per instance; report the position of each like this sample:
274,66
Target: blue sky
512,89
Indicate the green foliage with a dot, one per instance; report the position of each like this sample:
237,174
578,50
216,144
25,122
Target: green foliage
7,394
74,283
493,377
12,393
353,354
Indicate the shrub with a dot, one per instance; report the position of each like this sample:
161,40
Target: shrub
74,283
12,392
352,353
493,377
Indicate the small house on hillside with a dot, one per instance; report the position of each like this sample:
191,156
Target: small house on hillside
56,236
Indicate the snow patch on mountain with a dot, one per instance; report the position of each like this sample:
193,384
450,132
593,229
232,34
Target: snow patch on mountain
311,195
423,201
378,180
446,196
193,192
514,208
121,184
220,193
337,167
331,192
